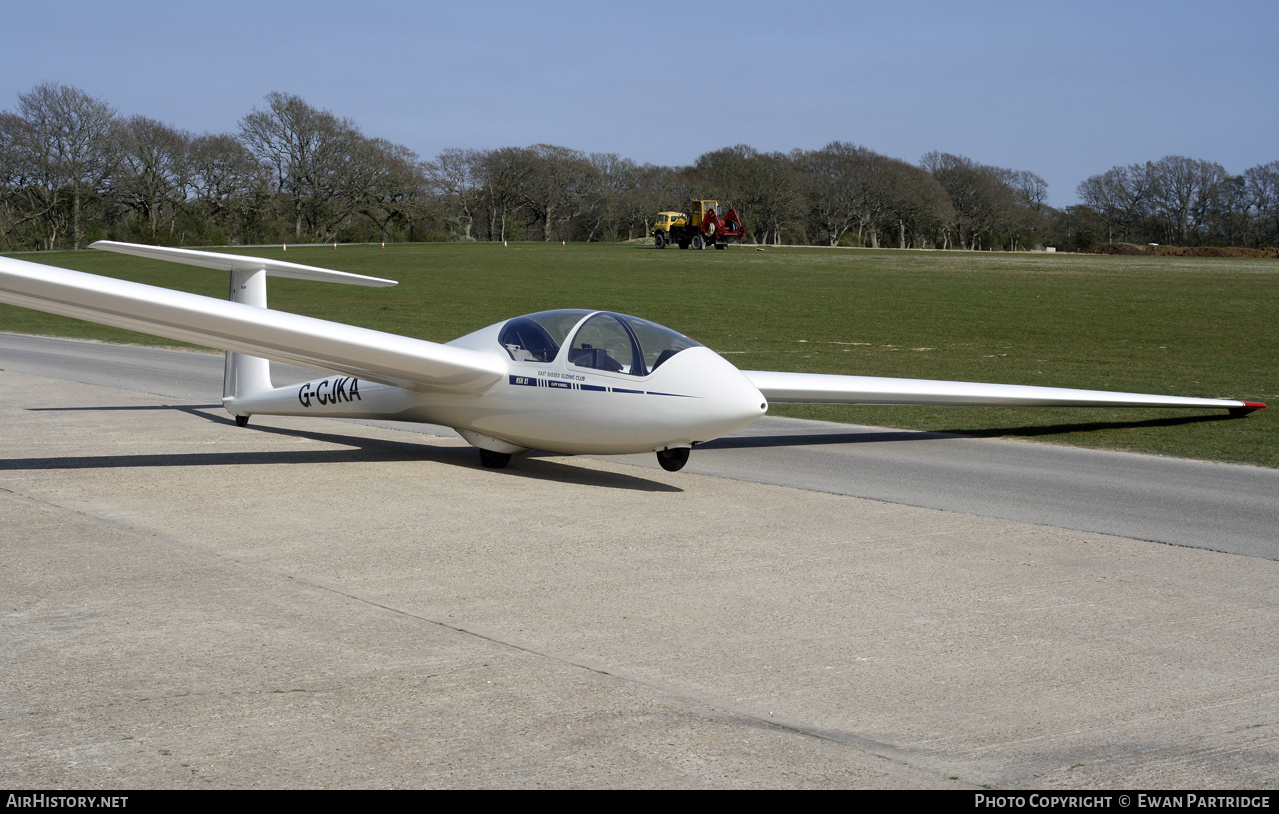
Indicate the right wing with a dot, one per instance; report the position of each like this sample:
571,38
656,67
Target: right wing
822,388
276,335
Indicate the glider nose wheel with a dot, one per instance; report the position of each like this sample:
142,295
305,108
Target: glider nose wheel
673,460
494,460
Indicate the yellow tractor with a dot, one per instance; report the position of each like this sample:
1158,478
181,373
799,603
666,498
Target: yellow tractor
704,227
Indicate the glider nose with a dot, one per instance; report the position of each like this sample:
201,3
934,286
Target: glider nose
698,396
750,406
753,404
732,401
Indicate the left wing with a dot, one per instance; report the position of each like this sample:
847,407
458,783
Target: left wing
821,388
277,335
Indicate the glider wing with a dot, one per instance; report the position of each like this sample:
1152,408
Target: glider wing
232,326
819,388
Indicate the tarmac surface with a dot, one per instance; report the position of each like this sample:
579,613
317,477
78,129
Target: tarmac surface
310,603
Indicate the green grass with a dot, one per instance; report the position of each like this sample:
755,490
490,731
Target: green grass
1181,326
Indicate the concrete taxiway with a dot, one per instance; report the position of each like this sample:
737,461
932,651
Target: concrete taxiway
313,603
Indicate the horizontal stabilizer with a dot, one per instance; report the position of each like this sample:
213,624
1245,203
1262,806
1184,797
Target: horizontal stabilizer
820,388
239,262
232,326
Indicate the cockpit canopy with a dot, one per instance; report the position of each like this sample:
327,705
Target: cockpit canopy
615,343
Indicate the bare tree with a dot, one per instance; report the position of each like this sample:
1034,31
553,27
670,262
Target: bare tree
1121,197
456,176
308,151
832,186
556,189
918,205
878,196
389,183
1262,192
1184,194
66,144
229,187
611,179
1032,191
503,173
152,177
982,200
31,204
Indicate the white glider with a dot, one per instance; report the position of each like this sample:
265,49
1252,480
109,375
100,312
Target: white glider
572,381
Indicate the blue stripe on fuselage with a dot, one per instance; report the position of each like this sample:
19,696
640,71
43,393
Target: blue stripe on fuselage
533,381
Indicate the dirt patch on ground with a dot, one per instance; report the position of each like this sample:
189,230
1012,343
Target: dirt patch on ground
1181,251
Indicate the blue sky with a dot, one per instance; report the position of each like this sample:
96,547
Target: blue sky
1065,90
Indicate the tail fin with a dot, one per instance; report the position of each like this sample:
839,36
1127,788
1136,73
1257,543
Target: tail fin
246,375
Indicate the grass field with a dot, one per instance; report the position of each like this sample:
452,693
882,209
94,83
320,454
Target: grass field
1181,326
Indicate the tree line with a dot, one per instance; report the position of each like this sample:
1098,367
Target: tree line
73,170
1184,202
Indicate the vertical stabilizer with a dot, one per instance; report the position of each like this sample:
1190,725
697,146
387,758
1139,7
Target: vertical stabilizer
246,375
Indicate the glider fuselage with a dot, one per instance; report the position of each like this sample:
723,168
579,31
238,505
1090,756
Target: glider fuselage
550,403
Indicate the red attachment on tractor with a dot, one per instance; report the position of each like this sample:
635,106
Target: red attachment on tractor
730,226
733,224
710,223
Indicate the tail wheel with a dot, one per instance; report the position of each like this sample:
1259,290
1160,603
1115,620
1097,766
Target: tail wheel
673,460
494,460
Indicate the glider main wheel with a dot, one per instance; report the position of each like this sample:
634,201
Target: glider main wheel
698,242
242,421
659,240
673,460
494,460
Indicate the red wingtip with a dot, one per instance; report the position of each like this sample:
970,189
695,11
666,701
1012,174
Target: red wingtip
1248,407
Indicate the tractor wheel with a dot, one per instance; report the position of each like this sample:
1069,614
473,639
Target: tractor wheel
659,240
699,242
